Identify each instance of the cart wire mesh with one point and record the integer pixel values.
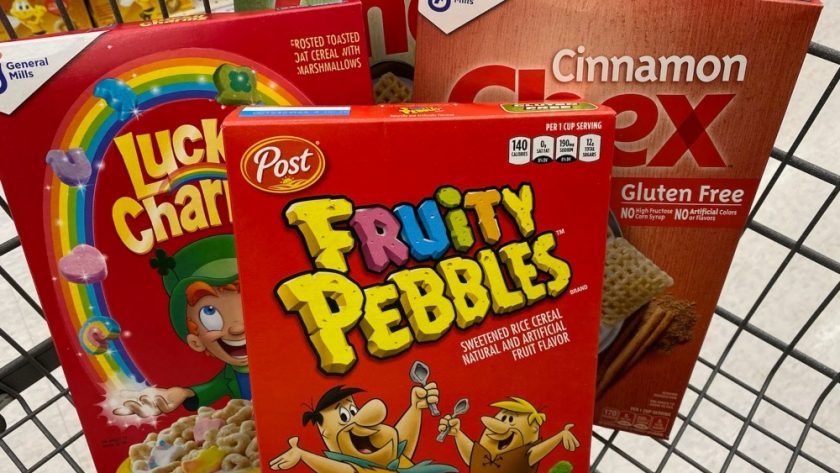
(40, 364)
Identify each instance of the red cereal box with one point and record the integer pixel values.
(391, 26)
(409, 272)
(118, 188)
(700, 89)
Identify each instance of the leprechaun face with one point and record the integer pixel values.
(220, 327)
(360, 432)
(507, 431)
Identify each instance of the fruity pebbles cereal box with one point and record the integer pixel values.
(409, 272)
(700, 89)
(117, 184)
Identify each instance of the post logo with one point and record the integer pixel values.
(283, 164)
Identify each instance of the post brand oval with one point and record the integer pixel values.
(283, 164)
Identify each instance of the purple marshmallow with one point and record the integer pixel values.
(72, 167)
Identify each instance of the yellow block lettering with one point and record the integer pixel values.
(123, 209)
(520, 207)
(213, 141)
(463, 285)
(157, 214)
(523, 274)
(183, 134)
(329, 305)
(504, 300)
(142, 189)
(314, 220)
(429, 312)
(548, 263)
(380, 325)
(193, 217)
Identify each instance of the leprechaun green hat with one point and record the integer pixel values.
(211, 260)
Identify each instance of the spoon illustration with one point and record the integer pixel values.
(461, 408)
(420, 374)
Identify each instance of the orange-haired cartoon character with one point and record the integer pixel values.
(205, 309)
(510, 442)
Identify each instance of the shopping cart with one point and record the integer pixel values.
(726, 437)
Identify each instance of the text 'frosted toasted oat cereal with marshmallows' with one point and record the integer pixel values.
(409, 272)
(700, 89)
(391, 26)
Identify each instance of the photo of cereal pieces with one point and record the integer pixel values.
(391, 89)
(222, 440)
(631, 280)
(663, 324)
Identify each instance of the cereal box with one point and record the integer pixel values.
(409, 272)
(103, 14)
(700, 90)
(390, 33)
(137, 10)
(118, 188)
(37, 17)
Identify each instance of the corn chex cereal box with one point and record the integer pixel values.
(118, 188)
(391, 26)
(700, 90)
(409, 272)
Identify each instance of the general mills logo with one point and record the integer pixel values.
(440, 6)
(3, 83)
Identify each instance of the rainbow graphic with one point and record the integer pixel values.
(92, 125)
(195, 173)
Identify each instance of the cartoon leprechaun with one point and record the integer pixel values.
(205, 310)
(511, 441)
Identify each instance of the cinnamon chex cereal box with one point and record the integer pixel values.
(700, 89)
(409, 272)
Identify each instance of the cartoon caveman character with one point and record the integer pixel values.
(510, 442)
(205, 310)
(357, 438)
(32, 16)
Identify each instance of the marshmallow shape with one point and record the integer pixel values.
(204, 425)
(72, 167)
(236, 85)
(83, 265)
(165, 454)
(118, 95)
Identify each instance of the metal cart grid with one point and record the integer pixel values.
(38, 366)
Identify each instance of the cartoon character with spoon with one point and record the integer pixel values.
(510, 442)
(357, 438)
